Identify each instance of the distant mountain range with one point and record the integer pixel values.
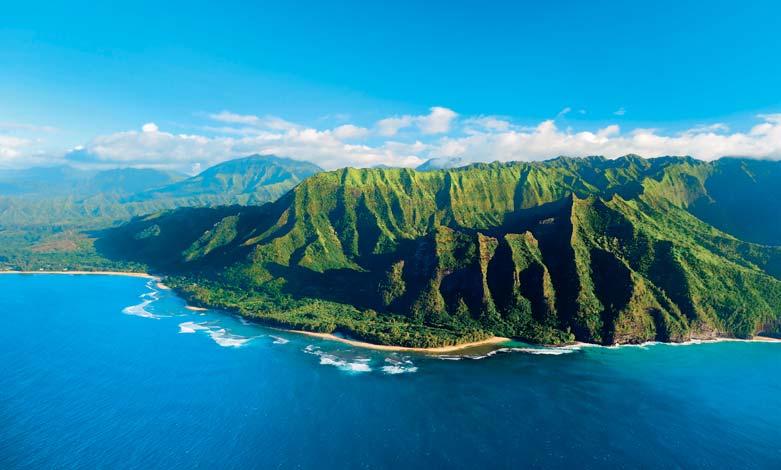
(250, 180)
(441, 163)
(595, 250)
(69, 196)
(50, 216)
(47, 182)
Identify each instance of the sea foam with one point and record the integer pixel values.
(396, 366)
(280, 340)
(356, 365)
(139, 310)
(218, 334)
(191, 327)
(541, 351)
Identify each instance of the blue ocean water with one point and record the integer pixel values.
(111, 372)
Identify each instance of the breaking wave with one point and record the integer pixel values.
(280, 340)
(541, 351)
(396, 366)
(352, 365)
(139, 310)
(218, 334)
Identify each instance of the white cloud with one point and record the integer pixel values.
(436, 134)
(233, 118)
(772, 118)
(349, 131)
(391, 126)
(438, 121)
(705, 128)
(620, 111)
(546, 141)
(19, 152)
(493, 123)
(22, 144)
(564, 112)
(181, 151)
(269, 122)
(11, 147)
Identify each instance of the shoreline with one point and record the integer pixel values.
(765, 339)
(691, 342)
(492, 341)
(88, 273)
(157, 279)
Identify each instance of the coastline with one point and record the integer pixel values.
(88, 273)
(691, 342)
(492, 341)
(765, 339)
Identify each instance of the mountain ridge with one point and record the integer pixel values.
(48, 215)
(595, 250)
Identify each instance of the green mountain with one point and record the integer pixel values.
(46, 214)
(48, 182)
(596, 250)
(741, 197)
(245, 181)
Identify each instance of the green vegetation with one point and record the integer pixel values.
(49, 217)
(605, 251)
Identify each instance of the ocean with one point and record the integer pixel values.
(113, 372)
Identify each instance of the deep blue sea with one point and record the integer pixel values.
(111, 372)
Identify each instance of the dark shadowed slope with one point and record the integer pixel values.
(606, 251)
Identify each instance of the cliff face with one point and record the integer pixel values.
(604, 251)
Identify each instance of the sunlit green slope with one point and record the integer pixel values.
(605, 251)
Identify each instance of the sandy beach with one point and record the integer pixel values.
(159, 284)
(87, 273)
(765, 339)
(495, 340)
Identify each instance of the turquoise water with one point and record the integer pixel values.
(102, 371)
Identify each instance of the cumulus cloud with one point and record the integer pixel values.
(11, 147)
(478, 139)
(21, 152)
(772, 118)
(327, 148)
(547, 140)
(349, 131)
(390, 126)
(22, 144)
(438, 134)
(438, 121)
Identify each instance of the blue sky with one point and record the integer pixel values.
(76, 74)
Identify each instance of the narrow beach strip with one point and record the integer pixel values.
(81, 273)
(492, 341)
